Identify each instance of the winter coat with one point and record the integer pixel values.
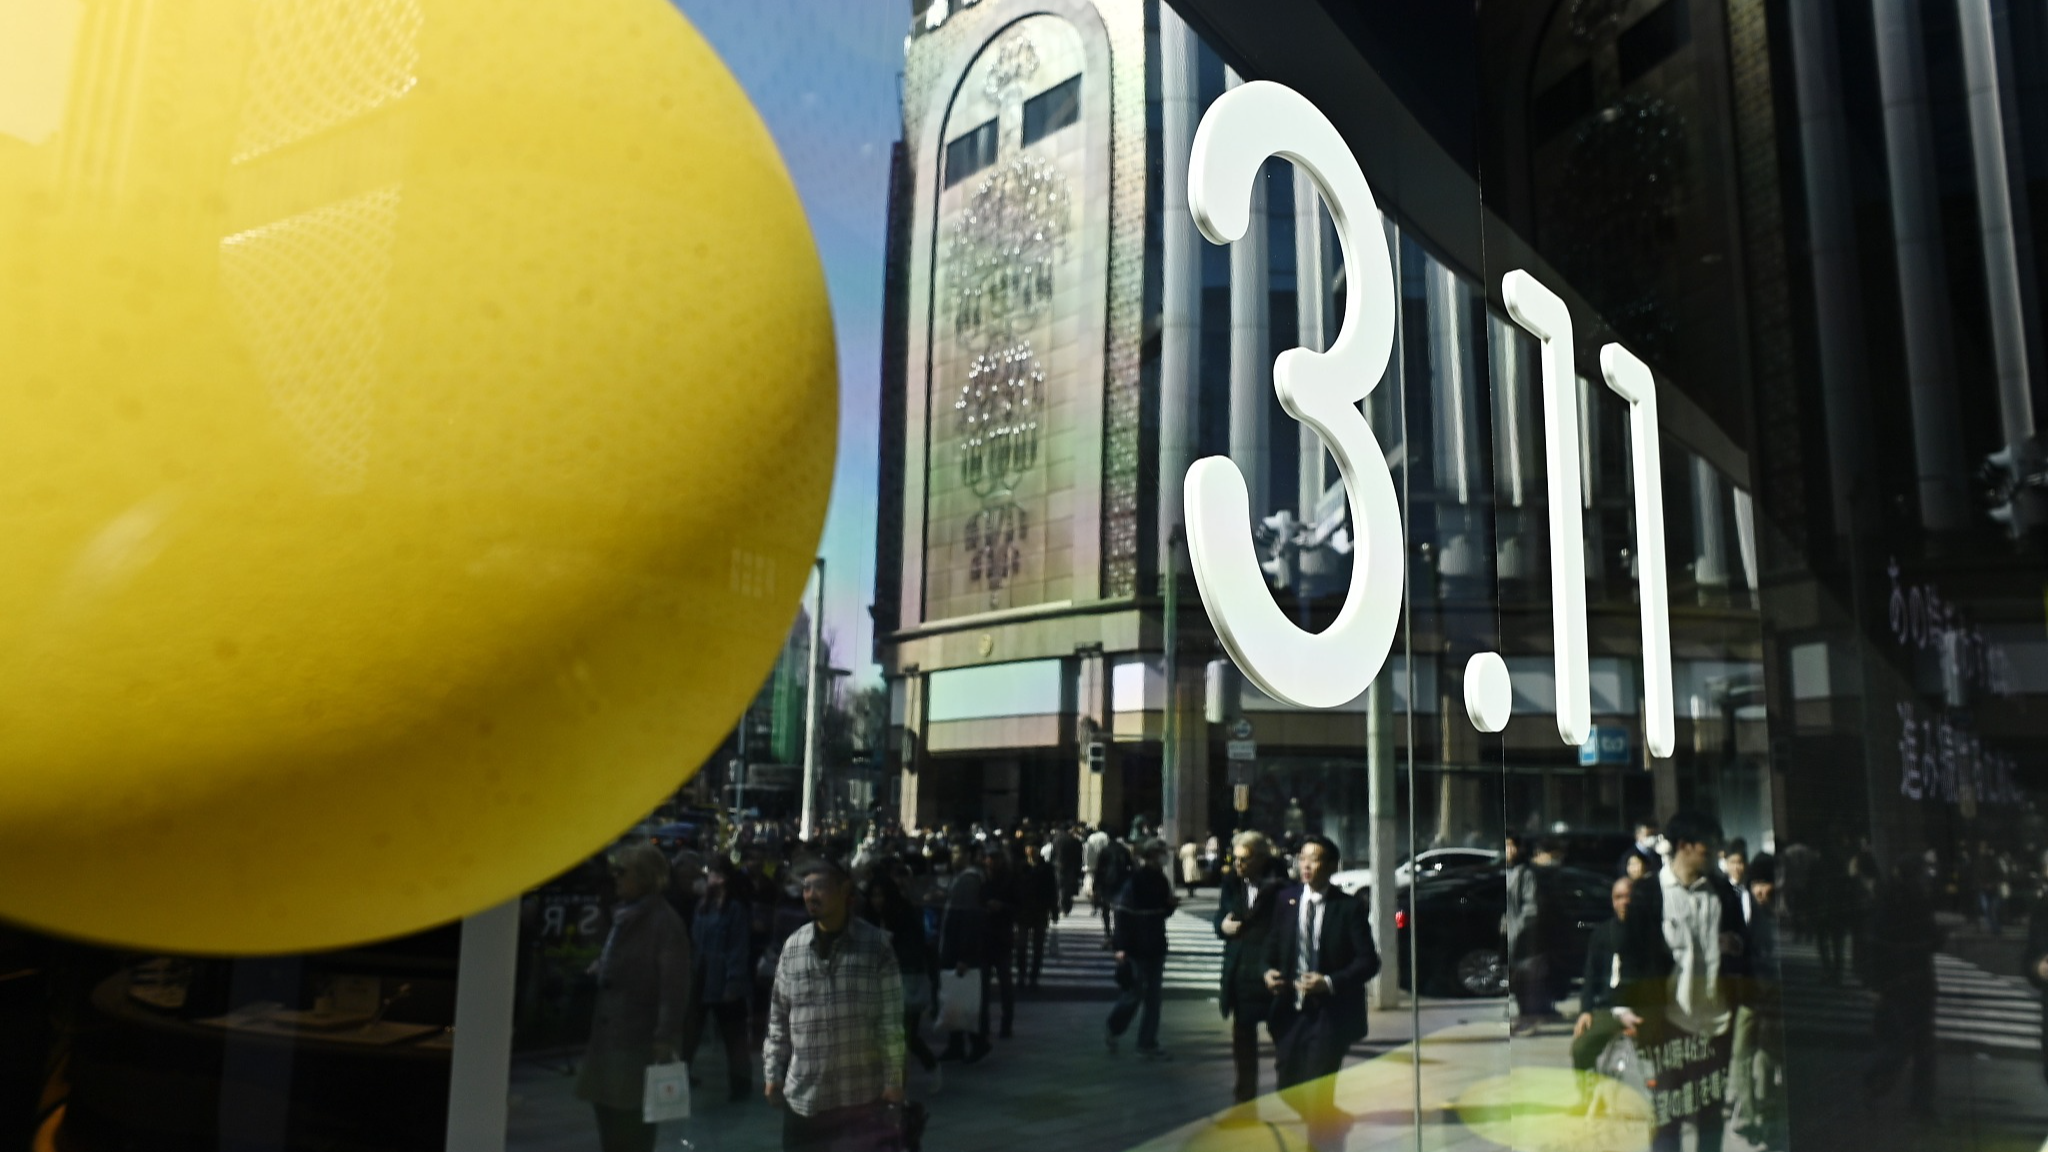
(721, 938)
(643, 992)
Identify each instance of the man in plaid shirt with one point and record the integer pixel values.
(835, 1025)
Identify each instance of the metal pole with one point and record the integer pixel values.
(1385, 852)
(812, 701)
(1180, 262)
(1311, 294)
(1923, 271)
(480, 1067)
(1250, 366)
(1169, 734)
(739, 764)
(1987, 91)
(1180, 319)
(1837, 292)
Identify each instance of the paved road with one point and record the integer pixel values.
(1077, 966)
(1974, 1008)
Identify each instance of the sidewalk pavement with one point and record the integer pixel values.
(1054, 1087)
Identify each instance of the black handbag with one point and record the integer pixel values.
(904, 1127)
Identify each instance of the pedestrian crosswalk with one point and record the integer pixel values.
(1076, 963)
(1972, 1007)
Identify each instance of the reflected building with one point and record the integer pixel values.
(1045, 388)
(1018, 570)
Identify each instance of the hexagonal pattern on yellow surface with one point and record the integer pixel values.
(416, 418)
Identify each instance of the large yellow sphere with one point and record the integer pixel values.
(416, 418)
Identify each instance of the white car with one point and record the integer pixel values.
(1433, 862)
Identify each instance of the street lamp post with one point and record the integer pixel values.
(811, 701)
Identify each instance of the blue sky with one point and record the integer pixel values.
(825, 76)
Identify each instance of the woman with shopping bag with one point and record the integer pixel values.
(963, 978)
(643, 993)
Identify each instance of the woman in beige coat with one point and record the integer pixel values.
(643, 993)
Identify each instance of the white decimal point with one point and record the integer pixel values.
(1489, 695)
(1242, 129)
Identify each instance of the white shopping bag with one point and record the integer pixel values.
(667, 1093)
(959, 1001)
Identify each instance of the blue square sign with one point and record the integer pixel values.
(1607, 745)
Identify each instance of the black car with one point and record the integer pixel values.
(1462, 949)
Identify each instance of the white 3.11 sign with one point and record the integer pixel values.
(1242, 130)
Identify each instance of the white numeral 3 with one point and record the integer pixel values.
(1242, 130)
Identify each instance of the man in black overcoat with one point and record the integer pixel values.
(1244, 919)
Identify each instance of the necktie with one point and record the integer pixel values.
(1306, 962)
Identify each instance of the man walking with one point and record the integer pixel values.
(1682, 958)
(1319, 956)
(1527, 926)
(1112, 870)
(1038, 895)
(1597, 1026)
(834, 1056)
(963, 947)
(1066, 859)
(1904, 938)
(999, 927)
(1244, 919)
(1758, 1106)
(1139, 937)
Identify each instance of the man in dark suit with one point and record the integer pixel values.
(1244, 919)
(1319, 956)
(1597, 1026)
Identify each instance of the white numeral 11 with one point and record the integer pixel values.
(1539, 310)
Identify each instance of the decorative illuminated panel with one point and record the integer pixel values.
(1009, 348)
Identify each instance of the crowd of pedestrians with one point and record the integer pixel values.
(822, 964)
(1678, 993)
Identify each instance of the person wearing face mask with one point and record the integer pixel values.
(719, 980)
(1319, 956)
(1642, 855)
(643, 994)
(1683, 959)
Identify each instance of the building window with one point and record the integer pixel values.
(1052, 110)
(970, 153)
